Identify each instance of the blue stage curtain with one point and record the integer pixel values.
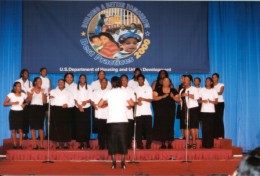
(10, 56)
(234, 46)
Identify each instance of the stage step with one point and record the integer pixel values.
(69, 155)
(177, 144)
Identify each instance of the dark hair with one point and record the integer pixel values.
(92, 37)
(43, 68)
(100, 72)
(190, 77)
(140, 75)
(137, 69)
(109, 36)
(61, 80)
(197, 79)
(103, 15)
(34, 80)
(22, 72)
(123, 75)
(215, 74)
(211, 81)
(115, 82)
(14, 85)
(158, 77)
(86, 85)
(68, 73)
(250, 165)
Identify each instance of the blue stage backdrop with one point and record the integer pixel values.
(115, 36)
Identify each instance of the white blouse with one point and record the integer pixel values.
(130, 92)
(36, 98)
(191, 103)
(46, 85)
(95, 85)
(144, 92)
(206, 94)
(218, 88)
(117, 105)
(72, 88)
(83, 94)
(25, 85)
(134, 84)
(61, 97)
(20, 99)
(100, 113)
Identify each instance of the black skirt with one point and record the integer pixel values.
(193, 118)
(60, 127)
(82, 125)
(36, 117)
(117, 138)
(16, 119)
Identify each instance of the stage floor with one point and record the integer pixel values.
(216, 167)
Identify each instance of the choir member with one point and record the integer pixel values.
(16, 99)
(117, 121)
(208, 98)
(101, 114)
(96, 85)
(179, 112)
(130, 113)
(219, 131)
(37, 98)
(46, 85)
(82, 118)
(197, 82)
(60, 100)
(158, 83)
(189, 96)
(164, 112)
(133, 83)
(144, 96)
(71, 87)
(26, 85)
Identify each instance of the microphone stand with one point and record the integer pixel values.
(133, 161)
(48, 126)
(187, 129)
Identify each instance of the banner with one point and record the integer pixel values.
(88, 36)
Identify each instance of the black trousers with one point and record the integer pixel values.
(102, 133)
(26, 120)
(219, 131)
(208, 130)
(143, 122)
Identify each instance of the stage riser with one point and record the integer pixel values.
(177, 144)
(65, 155)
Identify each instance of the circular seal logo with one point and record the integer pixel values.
(115, 33)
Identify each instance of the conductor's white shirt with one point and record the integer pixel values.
(117, 105)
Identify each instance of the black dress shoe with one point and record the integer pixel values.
(140, 147)
(113, 165)
(81, 147)
(170, 145)
(123, 165)
(58, 147)
(148, 146)
(20, 147)
(15, 147)
(163, 146)
(66, 147)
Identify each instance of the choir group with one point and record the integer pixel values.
(113, 107)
